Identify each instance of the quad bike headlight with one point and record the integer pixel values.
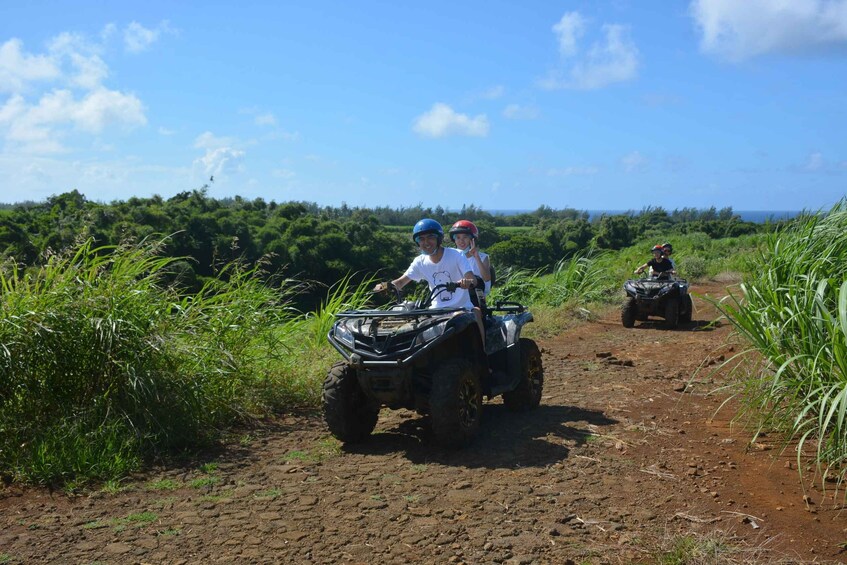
(343, 334)
(430, 334)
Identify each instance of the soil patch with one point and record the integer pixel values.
(625, 454)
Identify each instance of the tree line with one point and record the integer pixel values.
(323, 243)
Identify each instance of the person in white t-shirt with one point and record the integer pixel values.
(465, 235)
(438, 265)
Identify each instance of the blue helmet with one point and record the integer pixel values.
(426, 226)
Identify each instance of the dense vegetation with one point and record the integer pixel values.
(793, 312)
(137, 328)
(325, 244)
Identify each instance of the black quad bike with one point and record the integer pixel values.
(430, 360)
(664, 296)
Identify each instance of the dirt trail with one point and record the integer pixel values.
(622, 456)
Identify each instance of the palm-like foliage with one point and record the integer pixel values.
(793, 311)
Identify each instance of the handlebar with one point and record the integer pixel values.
(436, 291)
(509, 306)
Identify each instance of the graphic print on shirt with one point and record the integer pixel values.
(442, 277)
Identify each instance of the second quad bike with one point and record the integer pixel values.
(431, 360)
(663, 296)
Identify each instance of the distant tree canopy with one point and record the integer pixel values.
(324, 243)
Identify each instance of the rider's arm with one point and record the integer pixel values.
(398, 284)
(484, 267)
(640, 269)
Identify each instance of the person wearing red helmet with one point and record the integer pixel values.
(465, 234)
(437, 264)
(658, 264)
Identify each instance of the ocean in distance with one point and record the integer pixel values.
(756, 216)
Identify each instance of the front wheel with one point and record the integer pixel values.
(455, 403)
(527, 395)
(686, 310)
(350, 415)
(672, 312)
(629, 311)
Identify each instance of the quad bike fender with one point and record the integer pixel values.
(510, 375)
(460, 321)
(514, 325)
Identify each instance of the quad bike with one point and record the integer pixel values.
(661, 295)
(430, 360)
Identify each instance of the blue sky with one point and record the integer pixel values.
(593, 105)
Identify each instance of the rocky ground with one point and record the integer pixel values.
(625, 457)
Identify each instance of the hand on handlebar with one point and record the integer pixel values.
(382, 287)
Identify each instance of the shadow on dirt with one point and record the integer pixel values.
(241, 448)
(692, 326)
(537, 438)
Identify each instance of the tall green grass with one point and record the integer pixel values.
(793, 311)
(578, 280)
(343, 295)
(102, 363)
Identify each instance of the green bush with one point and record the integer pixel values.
(692, 267)
(101, 363)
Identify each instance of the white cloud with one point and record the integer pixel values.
(221, 157)
(37, 127)
(265, 120)
(612, 59)
(220, 161)
(208, 140)
(138, 38)
(518, 112)
(89, 70)
(634, 162)
(741, 30)
(165, 131)
(103, 107)
(569, 30)
(18, 69)
(442, 121)
(59, 91)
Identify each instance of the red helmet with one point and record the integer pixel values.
(464, 226)
(657, 248)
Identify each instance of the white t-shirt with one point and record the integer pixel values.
(478, 272)
(451, 268)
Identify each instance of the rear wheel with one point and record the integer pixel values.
(672, 312)
(686, 310)
(629, 311)
(350, 415)
(527, 395)
(455, 403)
